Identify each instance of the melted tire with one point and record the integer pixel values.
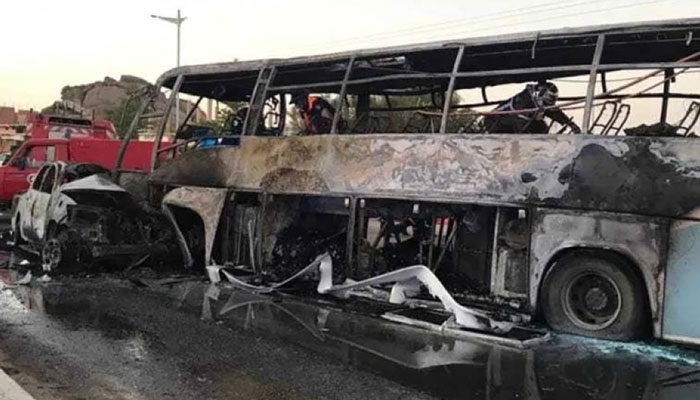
(61, 243)
(628, 315)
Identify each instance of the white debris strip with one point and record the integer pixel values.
(407, 283)
(10, 390)
(26, 280)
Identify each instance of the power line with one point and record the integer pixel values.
(585, 81)
(529, 10)
(448, 24)
(636, 4)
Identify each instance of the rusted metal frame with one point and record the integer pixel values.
(350, 235)
(189, 115)
(585, 125)
(440, 75)
(564, 98)
(668, 74)
(481, 74)
(176, 146)
(251, 244)
(361, 233)
(253, 98)
(603, 82)
(431, 249)
(238, 241)
(259, 229)
(496, 286)
(257, 100)
(389, 225)
(408, 108)
(164, 120)
(341, 96)
(227, 213)
(613, 114)
(582, 68)
(534, 46)
(450, 90)
(387, 99)
(449, 240)
(146, 100)
(614, 125)
(496, 40)
(441, 232)
(409, 91)
(219, 80)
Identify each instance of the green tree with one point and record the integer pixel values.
(223, 116)
(122, 115)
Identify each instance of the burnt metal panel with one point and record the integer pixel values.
(208, 203)
(680, 322)
(651, 176)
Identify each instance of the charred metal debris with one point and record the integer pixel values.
(401, 252)
(73, 217)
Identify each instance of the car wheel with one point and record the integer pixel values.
(594, 296)
(55, 253)
(52, 255)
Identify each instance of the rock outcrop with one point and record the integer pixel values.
(103, 96)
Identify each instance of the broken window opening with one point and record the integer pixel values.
(49, 180)
(455, 241)
(241, 222)
(474, 250)
(274, 236)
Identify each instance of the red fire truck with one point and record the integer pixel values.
(70, 139)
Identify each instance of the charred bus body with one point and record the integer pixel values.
(593, 232)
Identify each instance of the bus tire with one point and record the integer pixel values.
(595, 296)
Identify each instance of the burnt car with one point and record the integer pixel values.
(73, 214)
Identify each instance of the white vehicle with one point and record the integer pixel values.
(74, 213)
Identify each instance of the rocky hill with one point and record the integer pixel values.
(103, 96)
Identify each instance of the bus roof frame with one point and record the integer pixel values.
(167, 78)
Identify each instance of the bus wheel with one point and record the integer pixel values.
(593, 296)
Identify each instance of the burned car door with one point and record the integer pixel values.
(41, 200)
(23, 214)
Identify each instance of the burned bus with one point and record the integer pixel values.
(588, 222)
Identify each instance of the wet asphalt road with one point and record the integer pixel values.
(105, 337)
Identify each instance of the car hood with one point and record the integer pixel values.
(92, 182)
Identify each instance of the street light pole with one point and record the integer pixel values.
(177, 21)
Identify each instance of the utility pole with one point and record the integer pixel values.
(177, 21)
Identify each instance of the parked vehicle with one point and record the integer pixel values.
(46, 126)
(33, 153)
(597, 232)
(73, 214)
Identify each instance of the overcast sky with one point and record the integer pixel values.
(47, 44)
